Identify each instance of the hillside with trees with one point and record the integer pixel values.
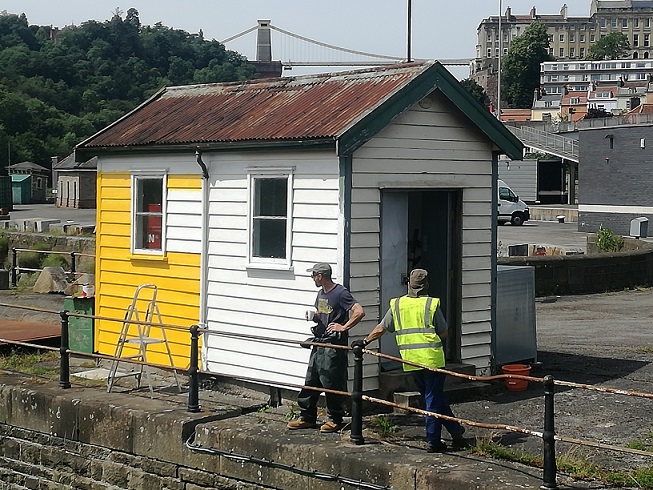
(59, 86)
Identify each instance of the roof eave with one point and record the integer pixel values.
(83, 154)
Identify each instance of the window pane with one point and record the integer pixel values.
(148, 191)
(271, 197)
(269, 238)
(149, 213)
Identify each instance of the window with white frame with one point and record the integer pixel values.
(270, 218)
(148, 213)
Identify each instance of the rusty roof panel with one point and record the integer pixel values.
(296, 108)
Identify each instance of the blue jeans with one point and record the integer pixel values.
(431, 387)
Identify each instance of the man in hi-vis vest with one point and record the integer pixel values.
(419, 326)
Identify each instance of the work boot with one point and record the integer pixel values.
(461, 442)
(436, 447)
(301, 424)
(332, 426)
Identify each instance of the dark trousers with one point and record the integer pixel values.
(431, 387)
(327, 368)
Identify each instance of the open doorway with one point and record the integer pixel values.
(421, 229)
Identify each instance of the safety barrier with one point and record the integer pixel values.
(16, 269)
(548, 435)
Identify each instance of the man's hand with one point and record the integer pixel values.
(336, 327)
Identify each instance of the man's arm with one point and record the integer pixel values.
(376, 333)
(356, 314)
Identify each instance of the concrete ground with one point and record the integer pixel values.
(50, 211)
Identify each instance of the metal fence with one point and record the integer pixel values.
(16, 269)
(193, 371)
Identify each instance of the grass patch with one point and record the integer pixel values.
(30, 362)
(579, 468)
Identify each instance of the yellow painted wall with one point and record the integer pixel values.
(118, 273)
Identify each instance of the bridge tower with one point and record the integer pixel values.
(265, 67)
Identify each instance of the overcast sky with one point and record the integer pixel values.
(377, 26)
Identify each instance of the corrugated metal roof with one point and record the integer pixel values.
(290, 109)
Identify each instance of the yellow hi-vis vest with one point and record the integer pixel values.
(415, 332)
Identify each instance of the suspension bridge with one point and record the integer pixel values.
(295, 50)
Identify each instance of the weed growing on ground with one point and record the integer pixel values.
(578, 467)
(383, 425)
(293, 413)
(608, 241)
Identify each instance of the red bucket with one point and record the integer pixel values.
(518, 369)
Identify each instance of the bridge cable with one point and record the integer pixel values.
(331, 46)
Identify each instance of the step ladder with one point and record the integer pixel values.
(138, 336)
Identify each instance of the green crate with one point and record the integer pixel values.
(80, 330)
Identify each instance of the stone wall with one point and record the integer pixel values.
(584, 274)
(89, 439)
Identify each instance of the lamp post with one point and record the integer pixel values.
(499, 66)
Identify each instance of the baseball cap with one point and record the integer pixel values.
(320, 268)
(418, 282)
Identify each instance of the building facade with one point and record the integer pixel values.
(570, 38)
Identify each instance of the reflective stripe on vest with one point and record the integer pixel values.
(416, 337)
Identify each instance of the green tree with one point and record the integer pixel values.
(476, 91)
(59, 87)
(520, 74)
(613, 46)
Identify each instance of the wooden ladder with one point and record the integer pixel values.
(141, 339)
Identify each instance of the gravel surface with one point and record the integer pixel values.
(602, 339)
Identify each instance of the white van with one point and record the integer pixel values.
(511, 208)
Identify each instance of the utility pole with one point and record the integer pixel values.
(410, 14)
(499, 65)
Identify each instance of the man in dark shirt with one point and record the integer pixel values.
(327, 367)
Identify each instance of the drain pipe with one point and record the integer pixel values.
(204, 257)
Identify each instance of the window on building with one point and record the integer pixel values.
(603, 23)
(148, 213)
(592, 38)
(582, 52)
(562, 38)
(646, 54)
(574, 101)
(647, 40)
(550, 38)
(562, 52)
(505, 51)
(624, 23)
(582, 27)
(572, 37)
(39, 183)
(572, 52)
(635, 40)
(489, 52)
(636, 22)
(647, 22)
(581, 38)
(496, 52)
(270, 217)
(613, 22)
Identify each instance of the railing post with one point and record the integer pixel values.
(64, 363)
(72, 265)
(548, 436)
(14, 266)
(193, 371)
(357, 397)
